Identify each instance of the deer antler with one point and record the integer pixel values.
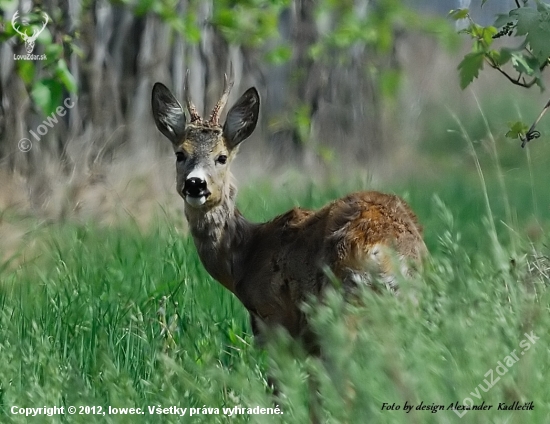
(36, 33)
(24, 35)
(227, 86)
(190, 106)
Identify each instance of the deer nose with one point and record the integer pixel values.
(195, 187)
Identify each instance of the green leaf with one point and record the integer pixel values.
(65, 76)
(488, 33)
(539, 41)
(26, 70)
(279, 55)
(390, 80)
(523, 64)
(142, 7)
(458, 14)
(517, 129)
(527, 18)
(53, 53)
(535, 25)
(45, 37)
(47, 95)
(502, 56)
(316, 50)
(484, 36)
(477, 30)
(469, 68)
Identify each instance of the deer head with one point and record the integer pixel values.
(204, 149)
(29, 40)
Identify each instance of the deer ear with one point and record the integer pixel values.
(242, 118)
(168, 113)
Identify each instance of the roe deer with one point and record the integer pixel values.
(273, 267)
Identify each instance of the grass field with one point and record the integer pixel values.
(127, 317)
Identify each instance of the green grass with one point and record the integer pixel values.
(82, 319)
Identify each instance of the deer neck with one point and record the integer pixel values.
(221, 236)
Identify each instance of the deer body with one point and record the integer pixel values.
(274, 267)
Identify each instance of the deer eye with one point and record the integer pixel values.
(180, 156)
(222, 159)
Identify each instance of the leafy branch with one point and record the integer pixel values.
(530, 28)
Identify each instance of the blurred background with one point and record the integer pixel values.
(361, 90)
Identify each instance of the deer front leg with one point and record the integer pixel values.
(259, 331)
(260, 342)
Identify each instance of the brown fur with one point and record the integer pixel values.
(275, 266)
